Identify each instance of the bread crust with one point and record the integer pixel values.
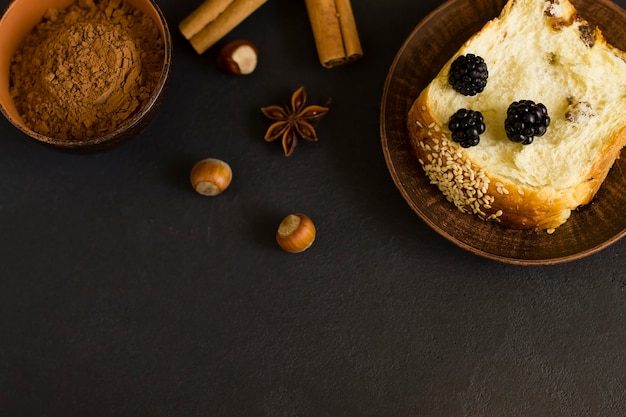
(474, 189)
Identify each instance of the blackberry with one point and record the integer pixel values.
(466, 127)
(468, 74)
(526, 119)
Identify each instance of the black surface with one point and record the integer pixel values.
(124, 293)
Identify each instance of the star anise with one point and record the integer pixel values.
(291, 123)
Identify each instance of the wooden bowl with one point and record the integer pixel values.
(420, 58)
(18, 21)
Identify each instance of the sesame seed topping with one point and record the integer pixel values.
(462, 183)
(501, 189)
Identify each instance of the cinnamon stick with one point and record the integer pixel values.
(335, 32)
(204, 14)
(213, 19)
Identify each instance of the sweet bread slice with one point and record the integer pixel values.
(537, 52)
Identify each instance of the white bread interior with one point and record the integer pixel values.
(539, 50)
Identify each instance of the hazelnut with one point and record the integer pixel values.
(295, 233)
(210, 176)
(238, 57)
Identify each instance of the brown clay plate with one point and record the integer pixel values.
(420, 58)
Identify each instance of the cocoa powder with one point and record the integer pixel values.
(86, 69)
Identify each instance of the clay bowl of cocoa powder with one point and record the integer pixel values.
(83, 75)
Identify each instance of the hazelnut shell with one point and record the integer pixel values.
(238, 57)
(210, 176)
(296, 233)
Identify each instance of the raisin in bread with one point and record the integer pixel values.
(543, 51)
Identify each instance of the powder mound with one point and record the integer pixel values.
(84, 70)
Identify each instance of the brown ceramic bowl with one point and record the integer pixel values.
(421, 57)
(17, 22)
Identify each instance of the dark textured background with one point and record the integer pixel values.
(124, 293)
